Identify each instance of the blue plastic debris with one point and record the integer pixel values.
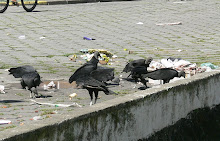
(84, 50)
(209, 65)
(87, 38)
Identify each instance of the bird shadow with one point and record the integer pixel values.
(44, 96)
(10, 101)
(143, 88)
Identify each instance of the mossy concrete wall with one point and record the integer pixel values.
(131, 117)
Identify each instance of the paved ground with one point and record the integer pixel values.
(54, 33)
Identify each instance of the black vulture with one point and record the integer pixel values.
(20, 71)
(137, 67)
(30, 80)
(136, 63)
(165, 74)
(93, 78)
(137, 73)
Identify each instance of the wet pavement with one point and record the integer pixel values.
(47, 37)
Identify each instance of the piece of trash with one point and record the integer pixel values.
(42, 38)
(54, 112)
(103, 51)
(114, 56)
(36, 111)
(73, 58)
(57, 105)
(87, 38)
(130, 52)
(21, 123)
(71, 96)
(2, 88)
(155, 82)
(5, 122)
(103, 62)
(51, 85)
(125, 49)
(166, 63)
(179, 50)
(139, 23)
(84, 50)
(87, 56)
(212, 66)
(175, 23)
(36, 118)
(22, 37)
(106, 55)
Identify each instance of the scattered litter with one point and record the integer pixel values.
(103, 62)
(155, 82)
(125, 49)
(139, 23)
(114, 56)
(179, 50)
(57, 105)
(72, 95)
(22, 37)
(179, 64)
(155, 65)
(87, 38)
(51, 85)
(73, 58)
(36, 118)
(21, 123)
(175, 23)
(106, 55)
(2, 88)
(5, 122)
(54, 112)
(87, 56)
(130, 52)
(84, 50)
(42, 38)
(103, 51)
(212, 66)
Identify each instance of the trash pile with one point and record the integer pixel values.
(180, 64)
(107, 56)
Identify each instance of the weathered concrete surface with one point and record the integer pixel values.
(131, 117)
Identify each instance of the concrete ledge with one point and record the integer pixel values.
(131, 117)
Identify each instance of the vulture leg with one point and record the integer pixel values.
(96, 96)
(91, 96)
(143, 81)
(35, 92)
(31, 94)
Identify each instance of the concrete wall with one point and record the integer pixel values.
(131, 117)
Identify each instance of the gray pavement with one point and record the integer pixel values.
(55, 32)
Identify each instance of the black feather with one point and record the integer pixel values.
(31, 80)
(20, 71)
(165, 74)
